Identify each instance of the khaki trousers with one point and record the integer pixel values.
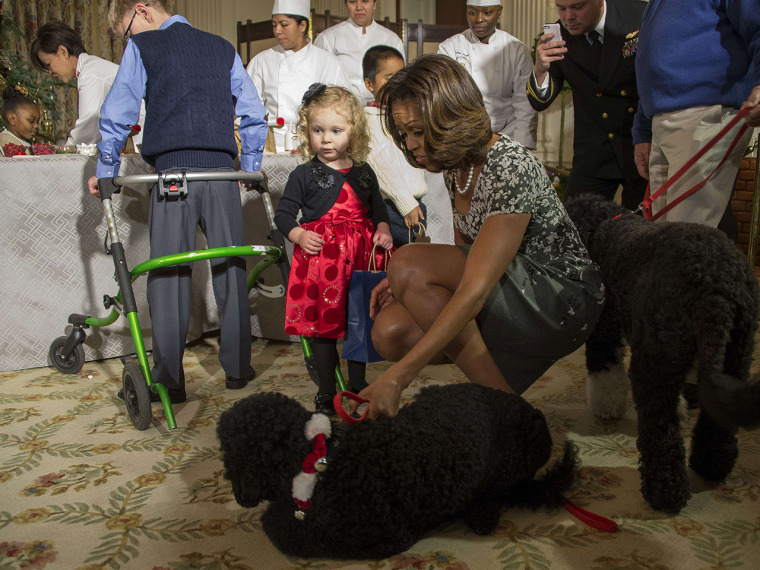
(676, 137)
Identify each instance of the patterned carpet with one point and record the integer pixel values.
(81, 488)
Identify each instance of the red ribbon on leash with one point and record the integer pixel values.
(646, 205)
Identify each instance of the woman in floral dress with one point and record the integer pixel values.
(518, 291)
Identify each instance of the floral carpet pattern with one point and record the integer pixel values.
(80, 488)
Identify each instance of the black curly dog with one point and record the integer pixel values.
(681, 295)
(458, 450)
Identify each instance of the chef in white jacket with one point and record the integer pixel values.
(350, 39)
(500, 64)
(283, 73)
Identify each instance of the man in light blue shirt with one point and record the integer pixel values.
(194, 84)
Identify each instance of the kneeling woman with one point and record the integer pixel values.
(518, 291)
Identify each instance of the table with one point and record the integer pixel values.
(53, 263)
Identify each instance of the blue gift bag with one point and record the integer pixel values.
(357, 342)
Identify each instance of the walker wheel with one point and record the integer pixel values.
(70, 365)
(136, 395)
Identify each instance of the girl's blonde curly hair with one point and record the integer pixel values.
(345, 103)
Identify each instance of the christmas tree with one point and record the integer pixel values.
(18, 70)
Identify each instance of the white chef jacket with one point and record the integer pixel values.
(349, 44)
(282, 77)
(399, 181)
(94, 78)
(501, 69)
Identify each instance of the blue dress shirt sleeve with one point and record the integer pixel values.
(120, 110)
(253, 128)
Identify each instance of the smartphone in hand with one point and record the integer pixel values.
(553, 29)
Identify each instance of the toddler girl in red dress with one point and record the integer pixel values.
(342, 216)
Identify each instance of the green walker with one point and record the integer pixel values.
(67, 353)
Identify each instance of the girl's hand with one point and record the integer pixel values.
(413, 218)
(310, 242)
(380, 297)
(383, 236)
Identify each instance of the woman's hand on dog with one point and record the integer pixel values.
(384, 394)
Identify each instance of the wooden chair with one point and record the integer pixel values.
(251, 32)
(422, 33)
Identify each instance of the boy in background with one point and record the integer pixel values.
(193, 84)
(401, 185)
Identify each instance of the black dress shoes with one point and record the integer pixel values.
(240, 383)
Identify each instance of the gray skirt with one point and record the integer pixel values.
(535, 316)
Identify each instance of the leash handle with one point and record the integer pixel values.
(648, 200)
(344, 415)
(592, 519)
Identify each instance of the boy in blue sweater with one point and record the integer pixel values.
(698, 63)
(194, 84)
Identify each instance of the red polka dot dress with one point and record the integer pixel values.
(318, 285)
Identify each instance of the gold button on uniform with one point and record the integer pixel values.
(631, 110)
(611, 135)
(598, 94)
(604, 115)
(623, 93)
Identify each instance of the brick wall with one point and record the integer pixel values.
(742, 203)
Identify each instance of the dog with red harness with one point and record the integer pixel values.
(680, 295)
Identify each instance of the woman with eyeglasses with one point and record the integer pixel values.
(59, 51)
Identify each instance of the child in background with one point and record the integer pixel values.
(21, 116)
(343, 215)
(401, 185)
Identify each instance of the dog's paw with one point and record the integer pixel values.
(607, 392)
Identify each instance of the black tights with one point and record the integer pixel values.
(325, 353)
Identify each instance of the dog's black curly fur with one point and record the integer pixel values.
(458, 450)
(681, 295)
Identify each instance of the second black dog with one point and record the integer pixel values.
(682, 295)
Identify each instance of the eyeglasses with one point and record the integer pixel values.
(126, 32)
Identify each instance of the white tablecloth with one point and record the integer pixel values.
(53, 262)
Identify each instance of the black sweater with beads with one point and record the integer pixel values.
(314, 187)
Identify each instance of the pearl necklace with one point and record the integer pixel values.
(466, 186)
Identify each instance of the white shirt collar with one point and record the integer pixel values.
(357, 26)
(80, 62)
(600, 26)
(303, 51)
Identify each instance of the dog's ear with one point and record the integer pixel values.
(263, 446)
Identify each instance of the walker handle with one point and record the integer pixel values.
(251, 177)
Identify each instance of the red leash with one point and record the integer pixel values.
(592, 519)
(344, 415)
(646, 205)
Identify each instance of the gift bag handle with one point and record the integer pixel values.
(373, 264)
(421, 235)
